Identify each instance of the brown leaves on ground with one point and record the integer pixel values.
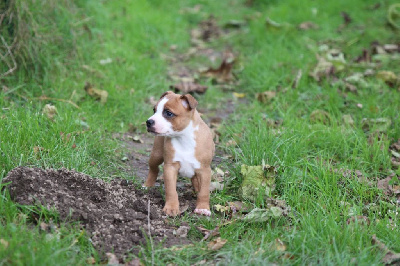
(308, 25)
(266, 96)
(185, 87)
(216, 244)
(224, 72)
(208, 29)
(390, 185)
(346, 21)
(99, 95)
(208, 234)
(390, 257)
(328, 64)
(50, 111)
(394, 150)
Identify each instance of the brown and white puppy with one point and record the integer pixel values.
(185, 144)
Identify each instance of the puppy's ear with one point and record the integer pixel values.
(165, 93)
(188, 101)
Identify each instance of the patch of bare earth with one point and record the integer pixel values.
(115, 214)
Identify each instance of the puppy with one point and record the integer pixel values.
(184, 143)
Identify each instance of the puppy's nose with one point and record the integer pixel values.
(150, 123)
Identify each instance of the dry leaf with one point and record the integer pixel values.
(188, 87)
(279, 245)
(216, 244)
(3, 243)
(388, 77)
(275, 25)
(216, 186)
(221, 208)
(50, 111)
(134, 262)
(90, 260)
(348, 120)
(208, 233)
(390, 257)
(112, 259)
(224, 72)
(100, 95)
(239, 95)
(265, 96)
(362, 220)
(105, 61)
(208, 29)
(235, 24)
(308, 25)
(182, 231)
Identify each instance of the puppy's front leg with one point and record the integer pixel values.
(203, 177)
(156, 158)
(171, 207)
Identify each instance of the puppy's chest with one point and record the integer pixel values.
(185, 155)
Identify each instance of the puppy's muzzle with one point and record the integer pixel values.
(150, 125)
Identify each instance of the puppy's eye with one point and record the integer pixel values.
(168, 114)
(154, 110)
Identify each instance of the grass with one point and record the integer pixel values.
(134, 34)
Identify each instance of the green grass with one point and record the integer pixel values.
(134, 34)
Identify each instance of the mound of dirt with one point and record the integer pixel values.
(115, 214)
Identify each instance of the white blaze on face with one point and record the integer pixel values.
(184, 145)
(161, 125)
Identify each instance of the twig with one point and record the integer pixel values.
(44, 98)
(12, 69)
(149, 226)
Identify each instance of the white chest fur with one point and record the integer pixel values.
(184, 145)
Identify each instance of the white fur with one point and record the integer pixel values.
(184, 144)
(162, 126)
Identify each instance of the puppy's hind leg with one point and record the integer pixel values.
(156, 158)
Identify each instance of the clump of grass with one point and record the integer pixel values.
(34, 33)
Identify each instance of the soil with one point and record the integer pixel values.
(115, 214)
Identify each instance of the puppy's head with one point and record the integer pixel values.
(172, 114)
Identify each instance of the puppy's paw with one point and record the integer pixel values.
(171, 210)
(203, 212)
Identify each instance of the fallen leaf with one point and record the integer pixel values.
(395, 151)
(346, 19)
(239, 95)
(328, 64)
(218, 174)
(279, 245)
(362, 220)
(182, 231)
(50, 111)
(97, 94)
(188, 87)
(388, 185)
(112, 259)
(90, 260)
(357, 79)
(265, 96)
(124, 159)
(388, 77)
(275, 25)
(257, 181)
(105, 61)
(136, 138)
(216, 186)
(320, 116)
(390, 257)
(348, 120)
(262, 215)
(3, 243)
(216, 244)
(376, 124)
(134, 262)
(221, 208)
(308, 25)
(297, 79)
(207, 30)
(208, 233)
(235, 24)
(359, 105)
(224, 72)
